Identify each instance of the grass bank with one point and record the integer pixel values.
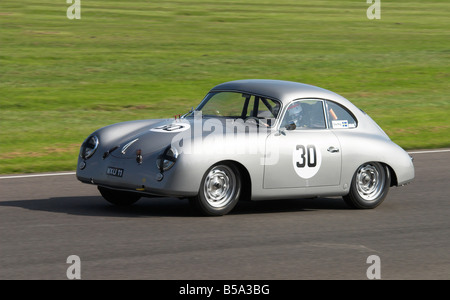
(125, 60)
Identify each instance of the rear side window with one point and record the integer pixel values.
(339, 117)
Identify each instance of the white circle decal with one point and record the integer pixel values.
(306, 160)
(174, 127)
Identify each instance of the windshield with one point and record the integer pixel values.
(239, 105)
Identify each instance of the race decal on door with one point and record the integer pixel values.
(306, 160)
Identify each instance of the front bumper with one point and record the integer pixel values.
(144, 178)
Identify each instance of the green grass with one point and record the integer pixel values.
(61, 79)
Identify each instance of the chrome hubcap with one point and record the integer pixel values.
(370, 181)
(220, 186)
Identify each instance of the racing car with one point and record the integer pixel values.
(253, 139)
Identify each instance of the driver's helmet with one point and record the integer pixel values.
(294, 114)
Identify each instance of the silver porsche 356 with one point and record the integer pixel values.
(248, 140)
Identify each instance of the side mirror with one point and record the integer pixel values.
(291, 126)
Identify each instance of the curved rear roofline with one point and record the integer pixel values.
(285, 91)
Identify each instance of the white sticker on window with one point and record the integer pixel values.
(340, 123)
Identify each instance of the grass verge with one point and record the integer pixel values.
(127, 60)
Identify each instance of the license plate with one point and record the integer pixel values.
(114, 172)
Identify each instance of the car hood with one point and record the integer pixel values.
(147, 136)
(156, 135)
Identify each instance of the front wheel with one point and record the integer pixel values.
(369, 187)
(119, 198)
(219, 191)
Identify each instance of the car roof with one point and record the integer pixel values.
(285, 91)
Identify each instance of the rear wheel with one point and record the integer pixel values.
(119, 198)
(369, 187)
(219, 191)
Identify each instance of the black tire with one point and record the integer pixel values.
(369, 187)
(219, 191)
(119, 198)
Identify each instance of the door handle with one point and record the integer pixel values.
(333, 149)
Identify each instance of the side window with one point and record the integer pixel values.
(224, 104)
(305, 114)
(339, 117)
(267, 108)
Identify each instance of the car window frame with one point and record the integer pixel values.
(344, 108)
(261, 98)
(280, 120)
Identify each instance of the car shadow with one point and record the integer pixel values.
(289, 205)
(165, 207)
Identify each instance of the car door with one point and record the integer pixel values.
(306, 153)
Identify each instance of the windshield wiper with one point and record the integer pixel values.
(188, 113)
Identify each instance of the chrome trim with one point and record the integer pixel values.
(92, 151)
(124, 148)
(333, 149)
(165, 157)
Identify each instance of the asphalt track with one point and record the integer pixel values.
(43, 220)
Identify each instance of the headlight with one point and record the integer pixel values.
(89, 146)
(167, 159)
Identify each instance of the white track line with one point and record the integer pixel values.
(37, 175)
(73, 173)
(430, 151)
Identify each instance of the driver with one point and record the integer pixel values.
(294, 114)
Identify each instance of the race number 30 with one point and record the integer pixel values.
(306, 160)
